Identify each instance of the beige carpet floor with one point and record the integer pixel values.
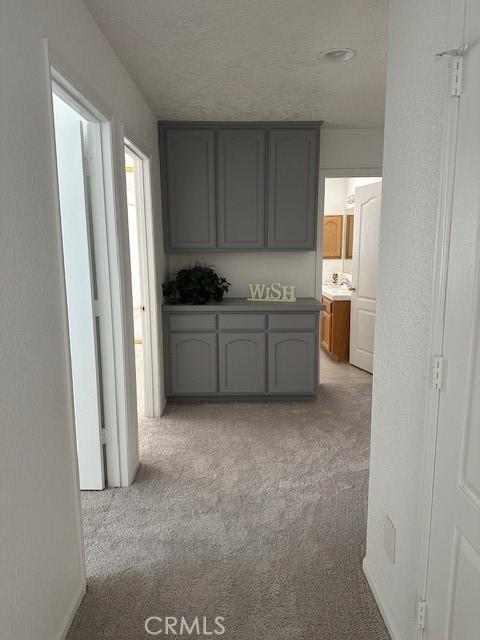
(254, 511)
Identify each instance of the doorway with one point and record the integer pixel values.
(350, 223)
(75, 134)
(91, 259)
(140, 230)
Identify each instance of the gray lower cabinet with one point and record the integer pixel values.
(242, 363)
(291, 363)
(238, 348)
(241, 188)
(193, 364)
(292, 188)
(189, 185)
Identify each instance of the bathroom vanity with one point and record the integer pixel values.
(241, 348)
(335, 324)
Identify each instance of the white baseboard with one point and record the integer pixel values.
(381, 605)
(71, 611)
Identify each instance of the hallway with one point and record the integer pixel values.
(251, 511)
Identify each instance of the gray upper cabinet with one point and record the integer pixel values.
(291, 363)
(241, 188)
(190, 188)
(292, 188)
(242, 363)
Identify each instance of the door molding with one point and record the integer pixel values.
(439, 289)
(152, 381)
(66, 345)
(121, 454)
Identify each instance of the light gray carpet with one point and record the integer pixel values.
(251, 511)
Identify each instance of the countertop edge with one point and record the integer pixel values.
(240, 304)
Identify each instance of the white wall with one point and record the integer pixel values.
(336, 191)
(416, 98)
(41, 558)
(344, 149)
(353, 183)
(240, 268)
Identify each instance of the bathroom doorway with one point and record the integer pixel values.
(348, 274)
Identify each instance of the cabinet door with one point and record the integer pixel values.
(292, 188)
(326, 331)
(332, 236)
(190, 188)
(291, 363)
(193, 363)
(241, 188)
(242, 363)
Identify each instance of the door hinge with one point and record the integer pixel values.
(437, 372)
(455, 68)
(96, 308)
(421, 614)
(103, 436)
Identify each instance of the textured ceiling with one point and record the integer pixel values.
(252, 59)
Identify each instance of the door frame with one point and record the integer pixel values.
(439, 291)
(144, 213)
(366, 172)
(119, 397)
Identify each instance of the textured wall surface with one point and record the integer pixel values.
(40, 555)
(250, 60)
(416, 99)
(350, 149)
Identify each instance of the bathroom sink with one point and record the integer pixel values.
(336, 291)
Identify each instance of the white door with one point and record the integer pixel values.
(79, 280)
(453, 586)
(364, 274)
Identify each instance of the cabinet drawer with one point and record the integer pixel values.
(328, 304)
(192, 322)
(241, 321)
(292, 321)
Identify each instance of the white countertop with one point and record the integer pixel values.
(336, 292)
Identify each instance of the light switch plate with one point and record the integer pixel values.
(389, 539)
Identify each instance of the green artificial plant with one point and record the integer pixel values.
(195, 285)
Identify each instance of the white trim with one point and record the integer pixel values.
(153, 407)
(439, 285)
(125, 365)
(71, 611)
(66, 338)
(119, 471)
(366, 172)
(387, 617)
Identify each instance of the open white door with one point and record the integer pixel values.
(79, 280)
(453, 584)
(364, 274)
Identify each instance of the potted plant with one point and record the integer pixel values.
(195, 285)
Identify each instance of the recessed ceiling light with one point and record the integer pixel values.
(341, 54)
